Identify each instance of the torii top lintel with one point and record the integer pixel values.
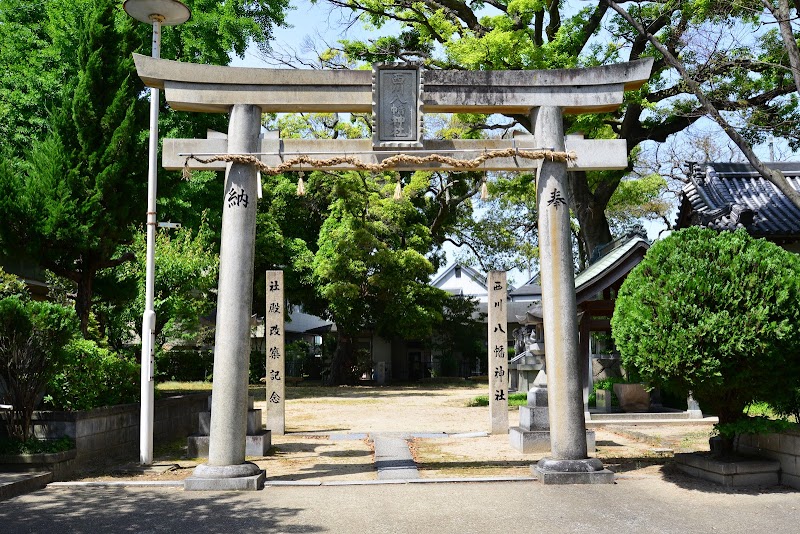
(215, 89)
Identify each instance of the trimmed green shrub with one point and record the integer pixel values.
(91, 376)
(716, 314)
(32, 337)
(184, 365)
(12, 286)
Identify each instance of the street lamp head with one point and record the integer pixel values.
(167, 12)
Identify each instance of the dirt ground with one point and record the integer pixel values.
(316, 419)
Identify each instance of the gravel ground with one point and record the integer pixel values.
(314, 415)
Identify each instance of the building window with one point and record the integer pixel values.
(458, 272)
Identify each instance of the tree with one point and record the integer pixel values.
(715, 314)
(186, 277)
(353, 253)
(780, 9)
(371, 269)
(459, 333)
(73, 203)
(32, 338)
(748, 76)
(73, 181)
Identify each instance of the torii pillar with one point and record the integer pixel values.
(569, 462)
(226, 468)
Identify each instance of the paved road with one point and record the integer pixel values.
(643, 505)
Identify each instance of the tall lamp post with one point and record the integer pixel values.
(158, 13)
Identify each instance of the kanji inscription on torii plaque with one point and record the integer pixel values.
(397, 106)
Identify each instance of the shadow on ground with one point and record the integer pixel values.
(120, 510)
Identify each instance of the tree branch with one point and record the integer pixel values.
(776, 177)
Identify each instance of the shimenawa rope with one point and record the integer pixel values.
(388, 163)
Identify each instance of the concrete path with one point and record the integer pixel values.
(393, 458)
(631, 506)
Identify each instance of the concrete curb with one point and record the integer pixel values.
(296, 483)
(15, 484)
(120, 483)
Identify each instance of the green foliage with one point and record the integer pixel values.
(788, 405)
(32, 337)
(258, 367)
(608, 385)
(638, 199)
(184, 365)
(35, 446)
(185, 278)
(752, 425)
(514, 399)
(73, 132)
(72, 200)
(89, 376)
(458, 333)
(715, 314)
(730, 49)
(12, 286)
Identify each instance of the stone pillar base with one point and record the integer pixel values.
(586, 471)
(242, 477)
(532, 441)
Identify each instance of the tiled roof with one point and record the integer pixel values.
(617, 260)
(726, 196)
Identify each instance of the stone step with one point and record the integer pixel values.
(741, 473)
(254, 423)
(636, 416)
(255, 445)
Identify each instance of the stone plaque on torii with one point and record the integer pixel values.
(246, 93)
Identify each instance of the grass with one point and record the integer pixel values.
(173, 387)
(515, 399)
(761, 409)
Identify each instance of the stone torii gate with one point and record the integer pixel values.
(397, 96)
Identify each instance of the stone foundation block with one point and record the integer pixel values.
(255, 445)
(579, 471)
(250, 402)
(603, 397)
(254, 423)
(746, 472)
(247, 483)
(557, 477)
(534, 417)
(532, 441)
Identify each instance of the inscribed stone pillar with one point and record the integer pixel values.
(235, 295)
(498, 358)
(274, 336)
(565, 399)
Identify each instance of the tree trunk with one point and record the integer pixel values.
(83, 300)
(590, 211)
(781, 13)
(341, 369)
